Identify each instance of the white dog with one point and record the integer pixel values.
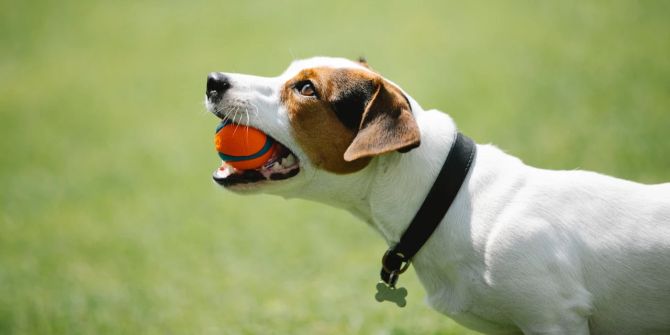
(520, 250)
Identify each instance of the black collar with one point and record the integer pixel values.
(396, 259)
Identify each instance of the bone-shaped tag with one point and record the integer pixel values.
(392, 294)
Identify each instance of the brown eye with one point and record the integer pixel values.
(306, 88)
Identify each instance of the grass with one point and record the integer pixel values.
(109, 223)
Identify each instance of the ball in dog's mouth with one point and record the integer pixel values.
(282, 165)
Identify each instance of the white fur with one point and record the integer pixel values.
(521, 250)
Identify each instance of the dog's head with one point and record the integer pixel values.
(330, 115)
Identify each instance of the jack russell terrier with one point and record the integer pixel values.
(517, 250)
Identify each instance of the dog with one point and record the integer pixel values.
(520, 249)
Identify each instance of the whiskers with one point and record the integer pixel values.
(239, 112)
(232, 111)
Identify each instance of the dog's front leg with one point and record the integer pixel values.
(552, 309)
(572, 325)
(538, 278)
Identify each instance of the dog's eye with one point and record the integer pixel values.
(306, 88)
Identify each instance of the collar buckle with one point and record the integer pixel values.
(394, 261)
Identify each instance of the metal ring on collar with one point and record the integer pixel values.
(403, 267)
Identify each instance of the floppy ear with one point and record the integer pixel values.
(363, 61)
(387, 125)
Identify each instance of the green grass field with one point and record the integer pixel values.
(109, 221)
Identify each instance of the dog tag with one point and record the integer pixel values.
(392, 294)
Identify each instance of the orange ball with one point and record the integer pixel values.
(242, 147)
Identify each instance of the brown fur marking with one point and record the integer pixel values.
(351, 106)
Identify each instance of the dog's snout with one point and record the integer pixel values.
(217, 85)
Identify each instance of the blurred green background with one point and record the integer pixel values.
(110, 224)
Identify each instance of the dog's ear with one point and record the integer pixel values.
(387, 125)
(363, 61)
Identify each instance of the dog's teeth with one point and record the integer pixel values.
(224, 171)
(276, 166)
(284, 162)
(288, 161)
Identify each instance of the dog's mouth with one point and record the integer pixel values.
(281, 166)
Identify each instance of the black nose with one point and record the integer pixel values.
(217, 84)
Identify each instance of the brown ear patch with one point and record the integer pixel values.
(351, 96)
(316, 127)
(354, 116)
(387, 125)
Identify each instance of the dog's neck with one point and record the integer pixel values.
(383, 194)
(402, 181)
